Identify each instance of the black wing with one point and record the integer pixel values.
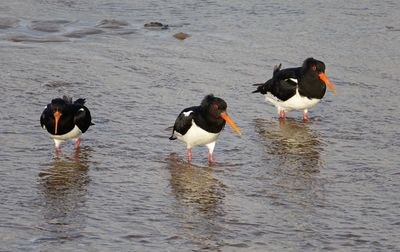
(288, 73)
(44, 118)
(82, 118)
(80, 101)
(282, 85)
(184, 121)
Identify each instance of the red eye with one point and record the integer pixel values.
(215, 106)
(314, 68)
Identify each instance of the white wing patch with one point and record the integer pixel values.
(187, 113)
(81, 109)
(294, 80)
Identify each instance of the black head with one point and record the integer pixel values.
(213, 106)
(56, 109)
(57, 104)
(312, 65)
(214, 109)
(316, 69)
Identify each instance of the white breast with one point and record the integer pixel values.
(296, 102)
(197, 136)
(74, 133)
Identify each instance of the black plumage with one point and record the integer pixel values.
(70, 114)
(206, 116)
(309, 81)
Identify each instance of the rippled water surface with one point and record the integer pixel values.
(329, 184)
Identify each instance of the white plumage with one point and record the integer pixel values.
(296, 102)
(197, 136)
(74, 134)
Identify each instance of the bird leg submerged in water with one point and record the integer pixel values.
(77, 143)
(282, 114)
(211, 147)
(189, 155)
(305, 115)
(211, 159)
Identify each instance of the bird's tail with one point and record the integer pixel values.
(260, 88)
(67, 99)
(263, 88)
(277, 68)
(172, 137)
(80, 101)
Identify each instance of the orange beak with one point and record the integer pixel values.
(228, 120)
(323, 77)
(57, 116)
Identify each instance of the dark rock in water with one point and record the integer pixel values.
(123, 32)
(181, 35)
(6, 22)
(392, 28)
(48, 25)
(26, 38)
(83, 32)
(156, 26)
(112, 24)
(58, 84)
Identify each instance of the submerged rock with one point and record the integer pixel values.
(181, 35)
(155, 26)
(392, 28)
(112, 24)
(48, 25)
(83, 32)
(26, 38)
(8, 22)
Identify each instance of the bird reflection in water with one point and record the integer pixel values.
(292, 143)
(195, 187)
(63, 187)
(200, 197)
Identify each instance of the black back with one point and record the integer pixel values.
(206, 116)
(308, 82)
(72, 114)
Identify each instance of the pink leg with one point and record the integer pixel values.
(305, 115)
(58, 152)
(211, 158)
(189, 155)
(282, 114)
(57, 144)
(77, 143)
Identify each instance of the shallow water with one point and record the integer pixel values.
(329, 184)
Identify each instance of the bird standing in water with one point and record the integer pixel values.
(201, 125)
(297, 88)
(66, 120)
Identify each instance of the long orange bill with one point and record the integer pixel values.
(323, 77)
(228, 120)
(57, 116)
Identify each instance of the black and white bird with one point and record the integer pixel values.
(201, 125)
(297, 88)
(66, 120)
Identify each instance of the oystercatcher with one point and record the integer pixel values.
(66, 120)
(201, 125)
(297, 88)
